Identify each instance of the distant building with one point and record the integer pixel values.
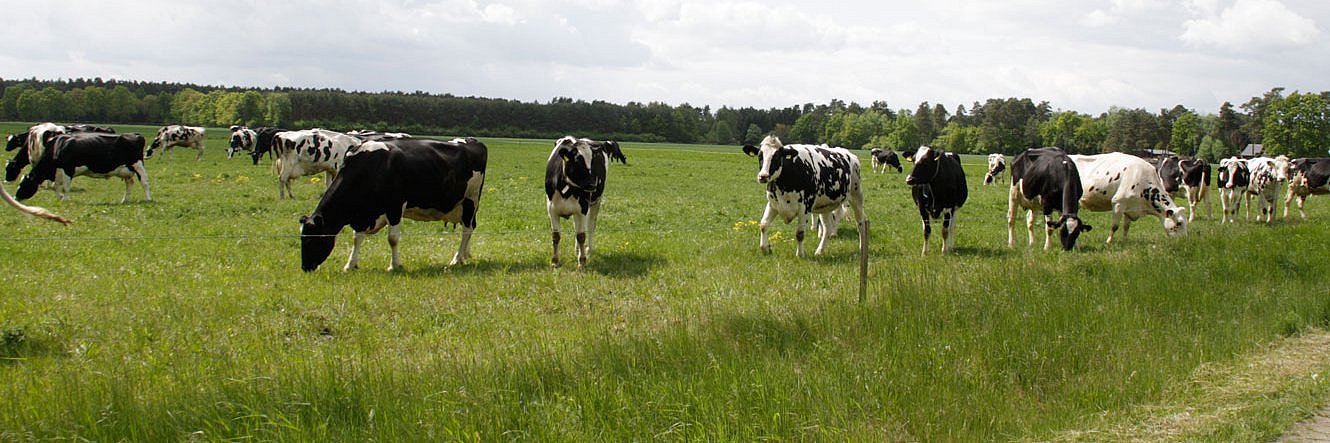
(1252, 151)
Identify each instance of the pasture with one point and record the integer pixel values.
(188, 318)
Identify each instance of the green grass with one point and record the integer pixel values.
(187, 317)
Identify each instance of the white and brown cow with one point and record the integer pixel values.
(386, 181)
(996, 164)
(308, 152)
(803, 180)
(1130, 188)
(575, 177)
(178, 135)
(1046, 180)
(937, 183)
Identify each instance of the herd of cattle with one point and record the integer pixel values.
(376, 179)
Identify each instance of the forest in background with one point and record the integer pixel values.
(1296, 124)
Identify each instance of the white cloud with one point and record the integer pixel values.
(1250, 25)
(1099, 18)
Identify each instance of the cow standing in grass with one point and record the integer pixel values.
(1191, 176)
(883, 158)
(1046, 180)
(1308, 176)
(575, 177)
(937, 183)
(383, 182)
(1234, 177)
(803, 180)
(86, 153)
(996, 164)
(178, 135)
(308, 152)
(1129, 187)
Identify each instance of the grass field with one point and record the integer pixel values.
(188, 318)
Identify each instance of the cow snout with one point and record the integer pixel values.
(762, 177)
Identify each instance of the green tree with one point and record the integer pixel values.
(1060, 130)
(958, 138)
(1131, 130)
(280, 109)
(754, 134)
(121, 105)
(1253, 125)
(1090, 136)
(9, 101)
(1229, 128)
(1297, 125)
(1186, 134)
(904, 135)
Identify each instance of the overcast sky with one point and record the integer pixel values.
(1078, 55)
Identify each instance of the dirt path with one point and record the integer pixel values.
(1314, 429)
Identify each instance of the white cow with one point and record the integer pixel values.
(308, 152)
(1130, 187)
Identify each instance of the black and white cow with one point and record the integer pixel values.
(19, 142)
(258, 144)
(87, 153)
(803, 180)
(1129, 187)
(996, 164)
(242, 139)
(937, 183)
(1046, 180)
(882, 158)
(369, 135)
(178, 135)
(574, 182)
(308, 152)
(1191, 176)
(385, 181)
(1308, 176)
(1234, 177)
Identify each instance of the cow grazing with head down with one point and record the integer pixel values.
(1191, 176)
(803, 180)
(1234, 177)
(256, 141)
(996, 164)
(1308, 176)
(1130, 188)
(1046, 180)
(177, 135)
(87, 153)
(882, 158)
(308, 152)
(242, 139)
(19, 142)
(574, 182)
(937, 182)
(385, 181)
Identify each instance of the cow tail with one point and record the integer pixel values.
(31, 210)
(1205, 184)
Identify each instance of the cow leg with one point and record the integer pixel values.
(799, 233)
(353, 261)
(129, 183)
(579, 226)
(554, 235)
(200, 156)
(1011, 216)
(1191, 202)
(762, 241)
(394, 234)
(591, 227)
(928, 228)
(948, 231)
(1113, 227)
(143, 178)
(463, 249)
(1048, 231)
(823, 234)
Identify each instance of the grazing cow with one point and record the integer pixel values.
(19, 142)
(803, 180)
(177, 135)
(1046, 180)
(258, 144)
(87, 153)
(1189, 175)
(574, 181)
(1233, 181)
(883, 158)
(937, 182)
(1308, 176)
(308, 152)
(242, 139)
(385, 181)
(996, 164)
(1130, 187)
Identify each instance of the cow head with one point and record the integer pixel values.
(576, 155)
(1069, 228)
(316, 242)
(1283, 168)
(1233, 173)
(1170, 172)
(996, 164)
(1175, 221)
(15, 166)
(927, 163)
(771, 157)
(242, 139)
(43, 169)
(15, 141)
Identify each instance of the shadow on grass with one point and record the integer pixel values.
(622, 264)
(473, 267)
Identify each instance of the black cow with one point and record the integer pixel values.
(807, 179)
(88, 153)
(1046, 180)
(381, 182)
(884, 158)
(937, 183)
(1189, 175)
(1310, 176)
(574, 182)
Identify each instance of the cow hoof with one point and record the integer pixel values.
(349, 268)
(554, 263)
(766, 250)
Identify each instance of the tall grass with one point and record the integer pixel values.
(187, 317)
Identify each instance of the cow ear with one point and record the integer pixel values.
(1168, 213)
(1086, 228)
(751, 150)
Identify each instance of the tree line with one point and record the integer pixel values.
(1296, 124)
